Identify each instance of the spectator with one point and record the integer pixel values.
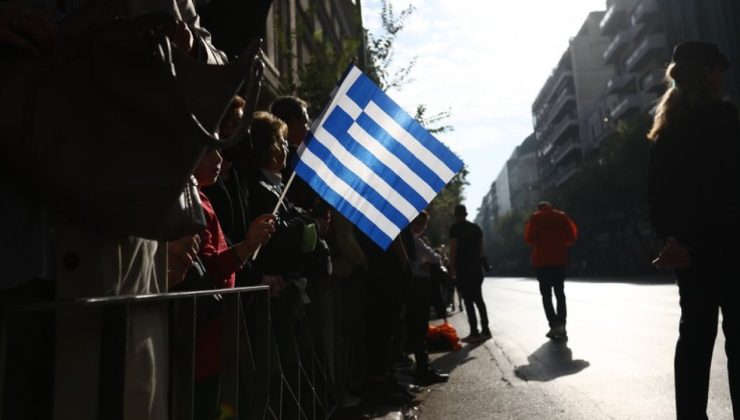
(82, 261)
(422, 258)
(221, 261)
(550, 232)
(294, 251)
(694, 200)
(466, 263)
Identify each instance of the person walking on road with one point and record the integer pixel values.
(694, 200)
(466, 266)
(550, 232)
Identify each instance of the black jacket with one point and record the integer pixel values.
(282, 254)
(694, 177)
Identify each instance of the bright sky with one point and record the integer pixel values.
(486, 60)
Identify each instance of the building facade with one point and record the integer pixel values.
(523, 176)
(292, 30)
(560, 109)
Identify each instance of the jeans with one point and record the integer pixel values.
(469, 284)
(705, 289)
(552, 279)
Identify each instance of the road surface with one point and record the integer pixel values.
(617, 363)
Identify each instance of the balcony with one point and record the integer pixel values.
(545, 149)
(622, 108)
(616, 47)
(562, 105)
(654, 81)
(568, 147)
(644, 10)
(559, 79)
(567, 126)
(651, 44)
(613, 20)
(564, 173)
(621, 83)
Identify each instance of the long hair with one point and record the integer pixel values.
(267, 133)
(687, 89)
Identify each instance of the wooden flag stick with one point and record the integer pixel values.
(275, 210)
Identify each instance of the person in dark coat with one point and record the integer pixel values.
(466, 256)
(694, 199)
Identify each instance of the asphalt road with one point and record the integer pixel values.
(617, 363)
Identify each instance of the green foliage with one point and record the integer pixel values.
(441, 209)
(430, 121)
(380, 50)
(319, 77)
(507, 251)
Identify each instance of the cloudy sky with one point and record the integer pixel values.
(485, 60)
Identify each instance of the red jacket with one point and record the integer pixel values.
(550, 232)
(221, 264)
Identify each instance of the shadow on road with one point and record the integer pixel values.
(453, 359)
(552, 360)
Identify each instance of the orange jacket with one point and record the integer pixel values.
(550, 232)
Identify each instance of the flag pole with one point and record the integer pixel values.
(275, 210)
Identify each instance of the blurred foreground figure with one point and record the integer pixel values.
(550, 232)
(694, 199)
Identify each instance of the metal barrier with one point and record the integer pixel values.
(239, 343)
(252, 358)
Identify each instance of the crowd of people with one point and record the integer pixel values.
(342, 308)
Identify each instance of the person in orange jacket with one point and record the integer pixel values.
(550, 232)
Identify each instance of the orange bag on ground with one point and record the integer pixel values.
(443, 337)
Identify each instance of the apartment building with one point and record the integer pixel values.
(639, 48)
(642, 36)
(560, 109)
(488, 211)
(515, 188)
(523, 176)
(290, 32)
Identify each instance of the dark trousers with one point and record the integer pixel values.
(417, 319)
(704, 291)
(28, 369)
(469, 284)
(552, 279)
(385, 294)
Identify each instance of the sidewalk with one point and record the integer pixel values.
(483, 385)
(474, 376)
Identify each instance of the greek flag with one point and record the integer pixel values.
(373, 162)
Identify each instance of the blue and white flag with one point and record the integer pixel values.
(372, 161)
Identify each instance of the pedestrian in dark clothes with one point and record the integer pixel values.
(466, 263)
(694, 199)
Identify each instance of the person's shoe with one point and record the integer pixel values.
(430, 376)
(472, 337)
(560, 332)
(557, 333)
(486, 333)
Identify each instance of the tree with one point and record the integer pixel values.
(508, 252)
